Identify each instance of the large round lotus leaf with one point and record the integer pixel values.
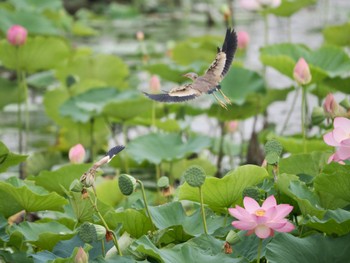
(288, 7)
(107, 68)
(239, 77)
(156, 148)
(8, 158)
(46, 52)
(9, 93)
(327, 61)
(287, 248)
(89, 104)
(197, 49)
(337, 34)
(221, 193)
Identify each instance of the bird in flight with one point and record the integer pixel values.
(208, 83)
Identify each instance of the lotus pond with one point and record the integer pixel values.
(92, 170)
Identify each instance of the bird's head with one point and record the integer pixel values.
(191, 75)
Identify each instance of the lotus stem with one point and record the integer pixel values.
(203, 211)
(296, 95)
(146, 204)
(114, 237)
(259, 250)
(303, 117)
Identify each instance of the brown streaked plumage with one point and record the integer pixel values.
(210, 81)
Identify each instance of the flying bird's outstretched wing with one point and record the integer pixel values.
(209, 82)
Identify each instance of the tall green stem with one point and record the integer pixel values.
(203, 211)
(303, 116)
(114, 237)
(259, 250)
(146, 203)
(92, 142)
(266, 29)
(296, 95)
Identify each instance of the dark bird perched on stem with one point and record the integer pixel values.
(210, 81)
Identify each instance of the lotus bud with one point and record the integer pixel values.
(154, 84)
(81, 256)
(90, 232)
(252, 192)
(332, 108)
(243, 39)
(140, 36)
(195, 176)
(76, 186)
(77, 154)
(301, 73)
(317, 115)
(225, 10)
(17, 35)
(127, 184)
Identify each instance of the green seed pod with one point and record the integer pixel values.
(252, 192)
(233, 237)
(76, 186)
(90, 232)
(195, 176)
(272, 158)
(317, 115)
(127, 184)
(163, 182)
(273, 146)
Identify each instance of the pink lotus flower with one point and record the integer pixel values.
(77, 154)
(17, 35)
(154, 84)
(262, 220)
(243, 39)
(301, 72)
(340, 138)
(255, 5)
(81, 256)
(231, 126)
(140, 35)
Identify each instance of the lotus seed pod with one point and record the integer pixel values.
(272, 158)
(87, 232)
(317, 115)
(233, 237)
(252, 192)
(90, 232)
(163, 182)
(195, 176)
(76, 186)
(127, 184)
(273, 146)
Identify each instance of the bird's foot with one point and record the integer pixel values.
(221, 103)
(227, 99)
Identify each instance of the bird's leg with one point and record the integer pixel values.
(222, 104)
(227, 99)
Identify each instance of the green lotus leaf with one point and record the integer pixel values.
(157, 148)
(237, 78)
(334, 222)
(202, 49)
(24, 195)
(254, 104)
(108, 192)
(203, 249)
(8, 158)
(87, 105)
(40, 161)
(308, 201)
(37, 5)
(47, 52)
(315, 248)
(60, 179)
(9, 93)
(220, 194)
(295, 145)
(290, 7)
(108, 69)
(43, 235)
(337, 34)
(338, 83)
(327, 61)
(173, 214)
(332, 185)
(41, 80)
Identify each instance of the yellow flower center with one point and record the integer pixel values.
(260, 212)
